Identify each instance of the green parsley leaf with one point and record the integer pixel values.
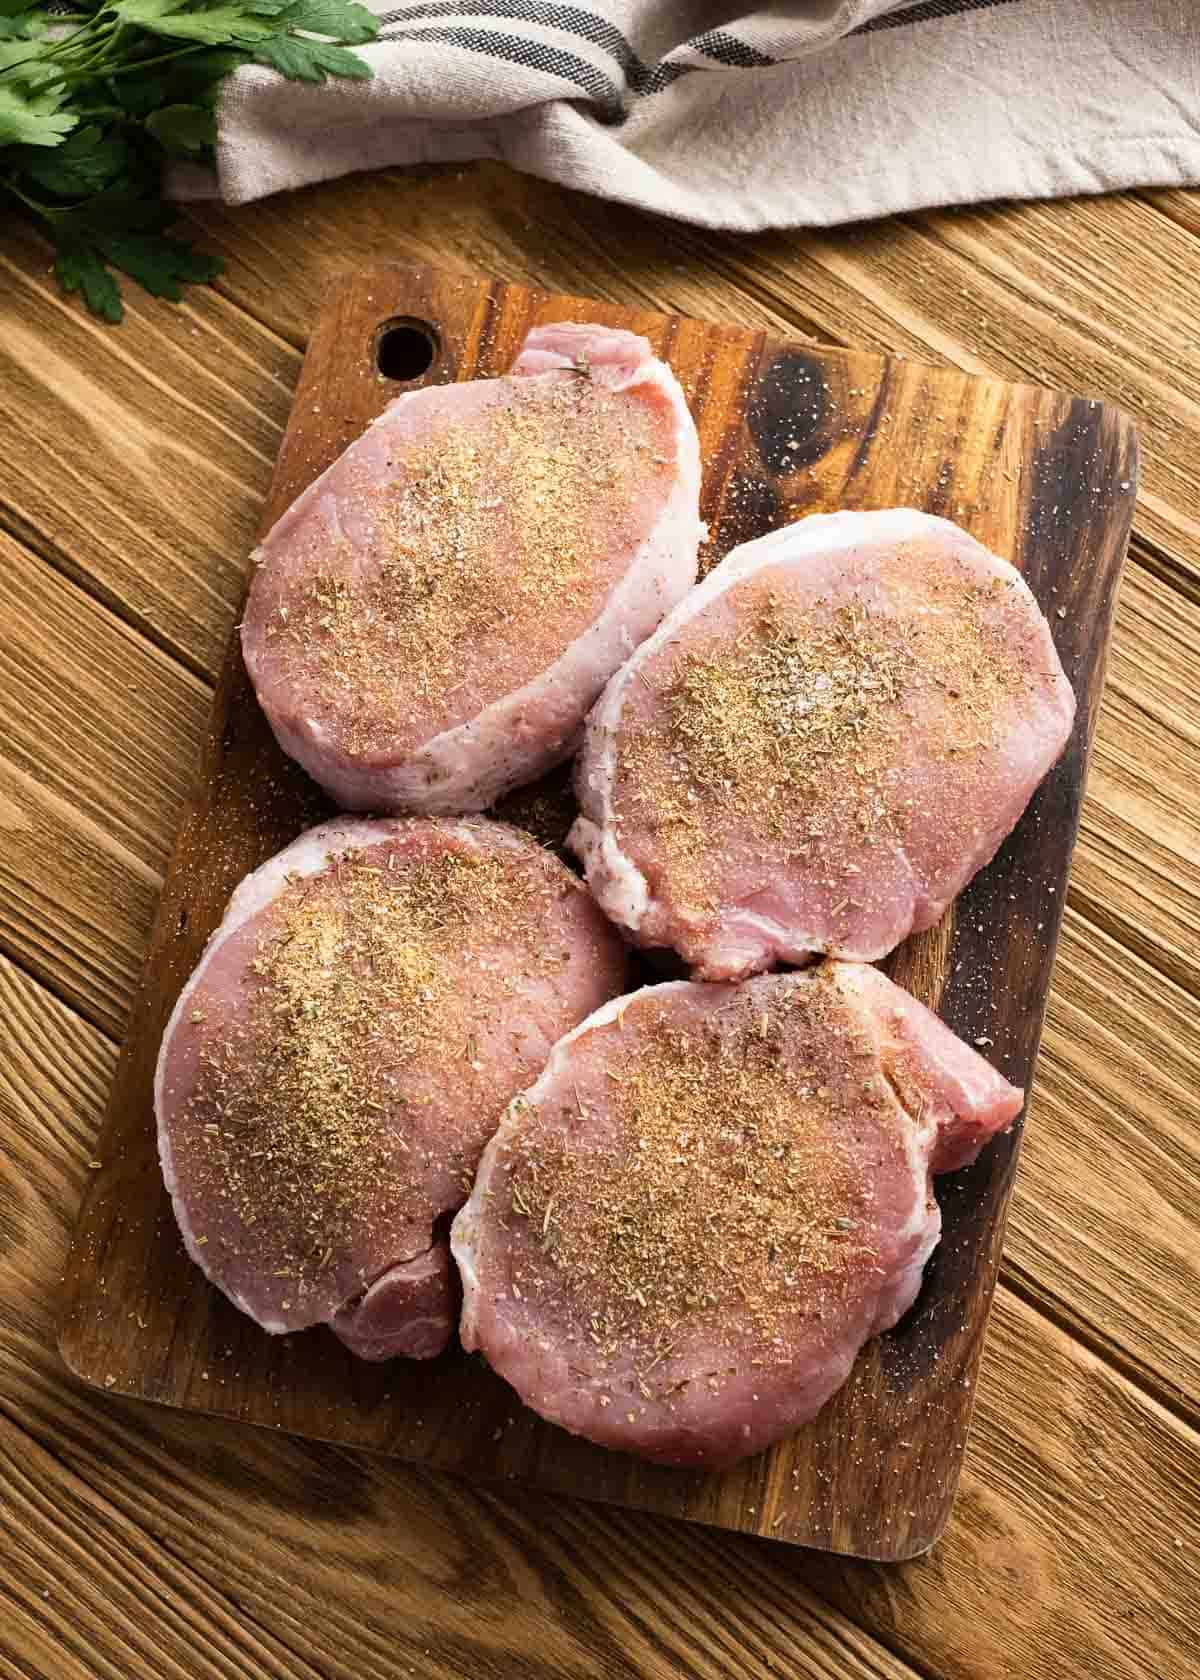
(183, 130)
(304, 60)
(87, 161)
(217, 25)
(19, 59)
(32, 116)
(340, 20)
(89, 112)
(139, 95)
(119, 209)
(195, 80)
(157, 263)
(80, 268)
(21, 25)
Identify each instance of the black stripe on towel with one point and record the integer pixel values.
(726, 49)
(720, 45)
(926, 11)
(639, 78)
(547, 14)
(532, 55)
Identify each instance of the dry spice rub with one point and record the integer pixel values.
(354, 973)
(685, 1230)
(821, 745)
(796, 725)
(723, 1178)
(500, 526)
(431, 621)
(374, 997)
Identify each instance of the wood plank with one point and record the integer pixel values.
(76, 907)
(784, 430)
(92, 778)
(1137, 869)
(69, 732)
(481, 218)
(486, 218)
(1104, 1233)
(1074, 1550)
(135, 459)
(326, 1562)
(125, 744)
(1099, 296)
(1135, 866)
(126, 1616)
(144, 1545)
(1012, 1593)
(1109, 301)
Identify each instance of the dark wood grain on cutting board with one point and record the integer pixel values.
(785, 429)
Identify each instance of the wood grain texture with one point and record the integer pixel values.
(158, 442)
(1117, 1088)
(785, 429)
(1054, 1565)
(91, 783)
(1139, 871)
(142, 1541)
(126, 778)
(76, 906)
(1136, 867)
(1094, 295)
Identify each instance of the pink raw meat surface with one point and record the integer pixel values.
(683, 1233)
(821, 745)
(374, 996)
(430, 622)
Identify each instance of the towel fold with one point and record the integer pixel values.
(748, 116)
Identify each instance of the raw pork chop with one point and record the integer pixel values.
(683, 1233)
(374, 996)
(430, 622)
(821, 745)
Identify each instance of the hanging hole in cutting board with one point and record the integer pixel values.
(405, 348)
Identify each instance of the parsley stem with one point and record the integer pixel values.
(96, 51)
(58, 49)
(61, 79)
(34, 58)
(67, 51)
(136, 68)
(29, 203)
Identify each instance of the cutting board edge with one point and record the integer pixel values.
(343, 280)
(1119, 538)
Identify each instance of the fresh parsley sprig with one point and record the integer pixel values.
(95, 102)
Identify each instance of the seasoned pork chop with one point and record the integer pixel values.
(821, 745)
(430, 622)
(373, 998)
(683, 1233)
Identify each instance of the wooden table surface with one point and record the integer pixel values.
(133, 464)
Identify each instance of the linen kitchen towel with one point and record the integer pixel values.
(746, 116)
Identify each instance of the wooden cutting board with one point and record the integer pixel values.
(786, 429)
